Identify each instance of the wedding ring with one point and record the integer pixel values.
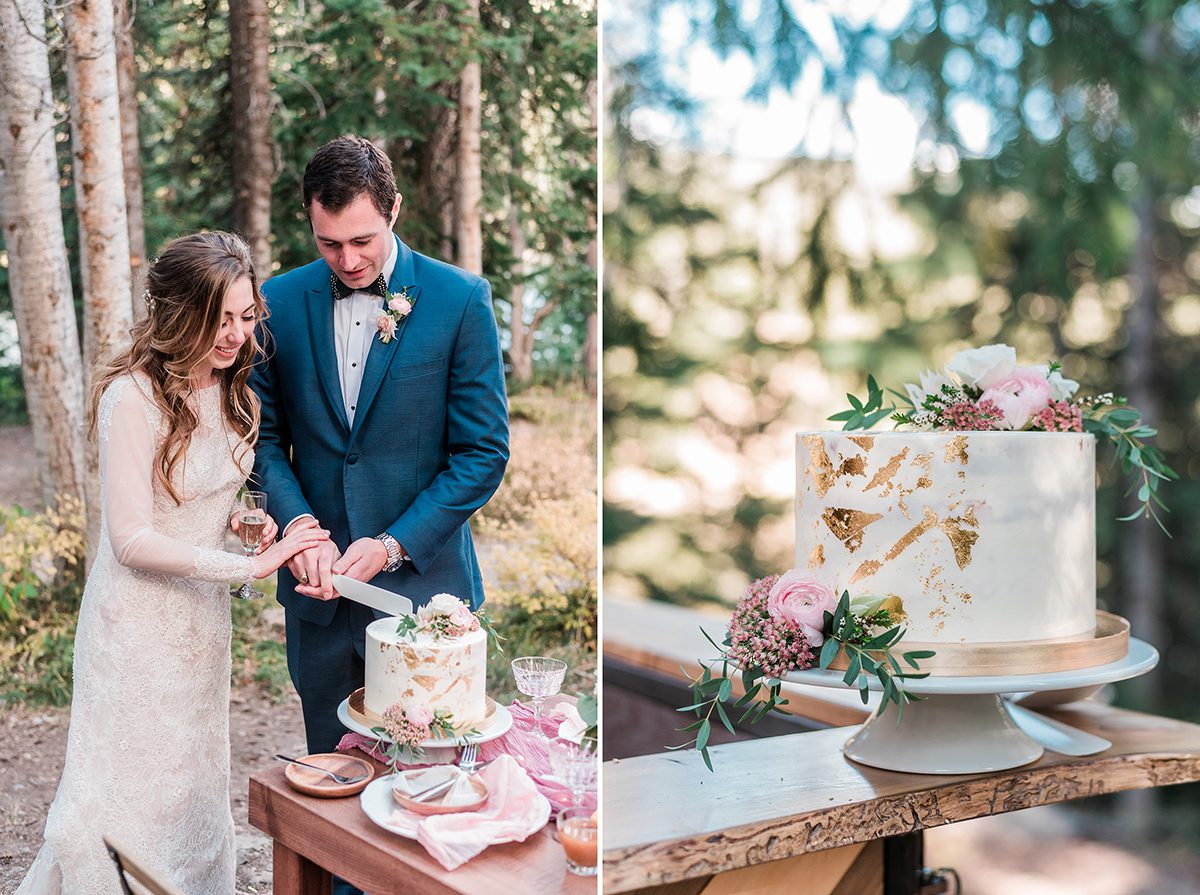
(304, 579)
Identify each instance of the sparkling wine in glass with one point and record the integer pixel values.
(252, 520)
(538, 677)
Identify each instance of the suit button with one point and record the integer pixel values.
(352, 459)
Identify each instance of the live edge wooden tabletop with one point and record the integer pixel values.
(783, 796)
(336, 835)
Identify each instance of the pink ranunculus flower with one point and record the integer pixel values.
(800, 598)
(386, 324)
(1019, 396)
(400, 305)
(420, 715)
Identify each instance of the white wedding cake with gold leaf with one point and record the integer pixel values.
(987, 537)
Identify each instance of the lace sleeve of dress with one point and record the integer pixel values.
(126, 422)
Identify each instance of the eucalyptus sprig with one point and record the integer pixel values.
(864, 414)
(1110, 417)
(870, 655)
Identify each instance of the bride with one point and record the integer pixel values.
(147, 754)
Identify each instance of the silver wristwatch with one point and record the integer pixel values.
(395, 554)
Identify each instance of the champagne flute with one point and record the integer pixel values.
(252, 519)
(538, 677)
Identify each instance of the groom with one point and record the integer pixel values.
(383, 415)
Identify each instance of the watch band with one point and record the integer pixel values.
(395, 555)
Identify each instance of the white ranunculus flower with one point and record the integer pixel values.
(983, 367)
(444, 603)
(931, 384)
(1061, 388)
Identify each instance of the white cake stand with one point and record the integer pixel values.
(962, 726)
(438, 750)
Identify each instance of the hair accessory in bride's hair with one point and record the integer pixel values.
(149, 300)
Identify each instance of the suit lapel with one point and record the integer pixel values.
(318, 303)
(380, 357)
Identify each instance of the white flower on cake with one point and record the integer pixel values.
(1061, 388)
(982, 368)
(931, 384)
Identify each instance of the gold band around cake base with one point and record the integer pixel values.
(358, 710)
(1109, 642)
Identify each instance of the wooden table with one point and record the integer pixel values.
(316, 837)
(792, 807)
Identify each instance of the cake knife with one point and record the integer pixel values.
(370, 595)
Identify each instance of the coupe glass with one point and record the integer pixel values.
(574, 763)
(538, 677)
(252, 519)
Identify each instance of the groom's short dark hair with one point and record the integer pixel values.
(344, 168)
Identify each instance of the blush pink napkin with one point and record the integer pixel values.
(514, 811)
(520, 742)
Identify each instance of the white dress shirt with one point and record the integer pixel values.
(353, 332)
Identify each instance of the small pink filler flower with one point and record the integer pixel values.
(800, 598)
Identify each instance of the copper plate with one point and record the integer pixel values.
(436, 807)
(360, 713)
(314, 783)
(1108, 642)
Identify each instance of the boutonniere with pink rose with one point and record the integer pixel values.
(795, 622)
(985, 389)
(399, 305)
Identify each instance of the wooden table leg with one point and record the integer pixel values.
(294, 874)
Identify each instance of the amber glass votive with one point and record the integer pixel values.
(579, 834)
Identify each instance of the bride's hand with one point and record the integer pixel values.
(268, 535)
(301, 536)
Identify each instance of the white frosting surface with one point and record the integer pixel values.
(986, 536)
(443, 674)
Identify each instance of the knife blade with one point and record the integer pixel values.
(370, 595)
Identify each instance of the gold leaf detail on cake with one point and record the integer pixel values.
(965, 597)
(816, 558)
(855, 465)
(426, 681)
(886, 473)
(847, 525)
(866, 570)
(866, 442)
(929, 521)
(924, 482)
(957, 450)
(821, 468)
(961, 539)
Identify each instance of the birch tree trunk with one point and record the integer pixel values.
(38, 275)
(131, 153)
(469, 232)
(100, 203)
(253, 155)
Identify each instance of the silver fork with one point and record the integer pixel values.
(468, 760)
(337, 778)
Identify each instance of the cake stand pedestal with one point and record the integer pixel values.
(961, 726)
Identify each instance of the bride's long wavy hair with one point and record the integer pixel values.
(185, 296)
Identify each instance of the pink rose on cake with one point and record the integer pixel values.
(445, 615)
(800, 598)
(1019, 395)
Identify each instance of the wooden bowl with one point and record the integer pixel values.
(314, 783)
(435, 806)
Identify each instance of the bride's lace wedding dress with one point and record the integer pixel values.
(147, 754)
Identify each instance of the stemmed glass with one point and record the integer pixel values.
(252, 519)
(538, 677)
(574, 763)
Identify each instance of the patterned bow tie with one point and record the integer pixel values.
(341, 290)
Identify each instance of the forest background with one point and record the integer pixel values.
(126, 126)
(799, 194)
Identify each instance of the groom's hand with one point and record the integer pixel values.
(363, 560)
(312, 569)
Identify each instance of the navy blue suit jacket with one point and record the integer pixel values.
(429, 442)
